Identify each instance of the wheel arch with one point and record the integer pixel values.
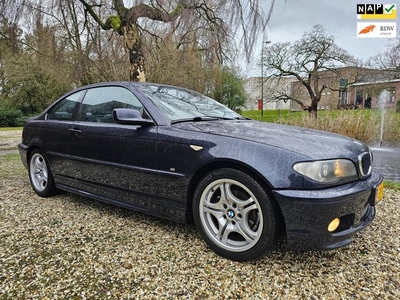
(228, 164)
(34, 143)
(29, 152)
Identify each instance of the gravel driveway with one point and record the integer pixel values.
(70, 247)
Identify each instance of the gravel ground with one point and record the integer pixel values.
(70, 247)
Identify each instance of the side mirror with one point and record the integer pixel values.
(129, 116)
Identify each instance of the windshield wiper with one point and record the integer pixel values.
(194, 119)
(205, 118)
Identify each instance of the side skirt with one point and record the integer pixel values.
(162, 208)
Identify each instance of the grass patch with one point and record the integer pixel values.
(10, 128)
(268, 115)
(11, 165)
(363, 125)
(392, 185)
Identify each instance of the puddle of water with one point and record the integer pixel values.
(387, 161)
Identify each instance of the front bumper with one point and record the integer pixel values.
(307, 214)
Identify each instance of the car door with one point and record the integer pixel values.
(54, 133)
(111, 159)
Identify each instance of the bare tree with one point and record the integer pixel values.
(209, 25)
(389, 60)
(10, 13)
(93, 54)
(166, 62)
(11, 10)
(308, 60)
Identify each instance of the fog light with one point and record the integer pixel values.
(333, 225)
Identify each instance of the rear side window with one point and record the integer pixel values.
(64, 110)
(98, 104)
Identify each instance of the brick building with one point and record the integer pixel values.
(346, 88)
(351, 87)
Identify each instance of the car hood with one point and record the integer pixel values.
(313, 144)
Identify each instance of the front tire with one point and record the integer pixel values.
(40, 175)
(234, 215)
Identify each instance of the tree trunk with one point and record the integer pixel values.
(136, 58)
(314, 108)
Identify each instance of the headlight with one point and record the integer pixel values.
(327, 171)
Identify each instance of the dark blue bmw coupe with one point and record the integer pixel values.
(177, 154)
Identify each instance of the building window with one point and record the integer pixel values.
(343, 82)
(359, 98)
(342, 98)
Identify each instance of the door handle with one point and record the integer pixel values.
(74, 131)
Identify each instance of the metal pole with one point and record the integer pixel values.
(262, 76)
(262, 80)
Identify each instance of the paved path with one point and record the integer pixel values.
(387, 161)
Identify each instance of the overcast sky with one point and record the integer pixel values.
(292, 18)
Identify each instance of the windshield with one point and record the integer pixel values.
(181, 104)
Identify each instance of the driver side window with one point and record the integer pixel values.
(98, 104)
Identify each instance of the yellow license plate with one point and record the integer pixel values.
(379, 193)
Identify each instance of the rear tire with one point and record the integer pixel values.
(235, 216)
(40, 175)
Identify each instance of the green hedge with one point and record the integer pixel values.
(11, 117)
